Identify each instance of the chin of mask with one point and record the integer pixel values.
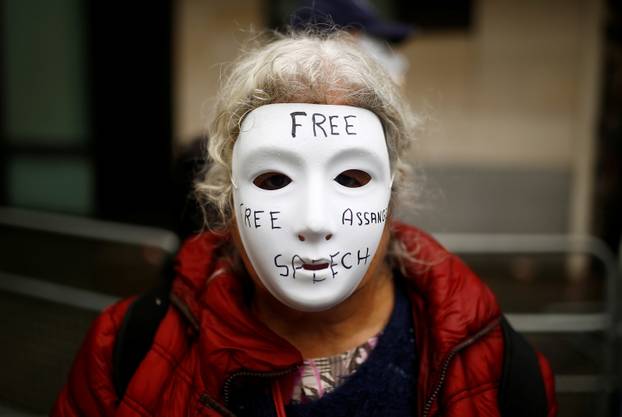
(312, 185)
(393, 62)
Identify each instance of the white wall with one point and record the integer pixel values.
(208, 34)
(511, 91)
(518, 93)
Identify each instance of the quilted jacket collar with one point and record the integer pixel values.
(450, 305)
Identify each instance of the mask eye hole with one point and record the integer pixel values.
(353, 178)
(272, 181)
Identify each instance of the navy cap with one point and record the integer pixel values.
(349, 14)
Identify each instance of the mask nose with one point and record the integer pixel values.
(316, 224)
(314, 236)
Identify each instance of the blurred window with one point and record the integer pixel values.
(85, 108)
(45, 107)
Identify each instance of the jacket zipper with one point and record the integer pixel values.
(445, 366)
(208, 401)
(204, 398)
(227, 386)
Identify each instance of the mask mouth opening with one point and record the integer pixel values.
(314, 266)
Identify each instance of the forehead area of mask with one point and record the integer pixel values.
(304, 124)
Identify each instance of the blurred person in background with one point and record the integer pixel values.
(304, 297)
(374, 35)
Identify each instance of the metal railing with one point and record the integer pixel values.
(606, 322)
(90, 228)
(55, 293)
(81, 227)
(86, 302)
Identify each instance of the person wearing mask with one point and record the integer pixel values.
(304, 296)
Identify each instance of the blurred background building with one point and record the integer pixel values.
(521, 135)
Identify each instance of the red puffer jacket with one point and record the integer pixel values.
(209, 335)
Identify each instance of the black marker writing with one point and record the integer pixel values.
(343, 260)
(315, 123)
(358, 254)
(349, 125)
(273, 218)
(363, 218)
(294, 265)
(281, 266)
(332, 126)
(256, 218)
(337, 261)
(294, 124)
(333, 264)
(316, 280)
(346, 217)
(320, 123)
(247, 217)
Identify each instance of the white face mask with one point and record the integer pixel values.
(312, 184)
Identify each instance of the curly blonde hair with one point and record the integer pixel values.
(302, 67)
